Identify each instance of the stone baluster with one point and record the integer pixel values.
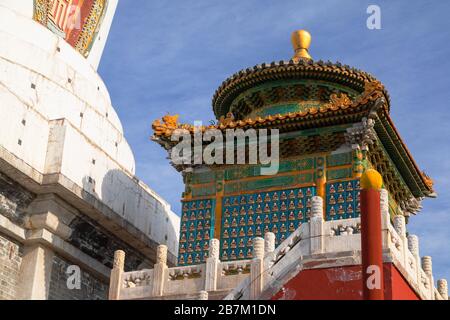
(400, 227)
(385, 217)
(212, 265)
(413, 246)
(442, 288)
(115, 280)
(256, 269)
(384, 206)
(269, 248)
(269, 242)
(258, 248)
(427, 266)
(316, 225)
(203, 295)
(159, 270)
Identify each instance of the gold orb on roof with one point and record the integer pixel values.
(301, 40)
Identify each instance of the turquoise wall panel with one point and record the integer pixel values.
(196, 229)
(245, 217)
(342, 200)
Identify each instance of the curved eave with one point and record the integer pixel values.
(401, 156)
(288, 122)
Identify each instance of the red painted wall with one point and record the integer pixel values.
(342, 283)
(400, 289)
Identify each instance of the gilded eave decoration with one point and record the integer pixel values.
(337, 102)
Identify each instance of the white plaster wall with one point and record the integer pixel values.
(23, 7)
(70, 123)
(106, 180)
(33, 133)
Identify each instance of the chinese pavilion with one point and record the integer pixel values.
(334, 125)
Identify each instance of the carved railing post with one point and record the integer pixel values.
(316, 225)
(400, 227)
(212, 265)
(427, 266)
(258, 248)
(115, 280)
(413, 246)
(384, 206)
(269, 242)
(385, 217)
(203, 295)
(269, 248)
(256, 269)
(159, 270)
(442, 288)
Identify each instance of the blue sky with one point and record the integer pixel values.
(170, 56)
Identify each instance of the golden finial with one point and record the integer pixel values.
(371, 179)
(301, 39)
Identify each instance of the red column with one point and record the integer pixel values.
(371, 236)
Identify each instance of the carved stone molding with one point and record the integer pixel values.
(361, 134)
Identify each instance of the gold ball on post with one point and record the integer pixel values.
(371, 179)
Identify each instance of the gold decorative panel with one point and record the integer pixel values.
(76, 21)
